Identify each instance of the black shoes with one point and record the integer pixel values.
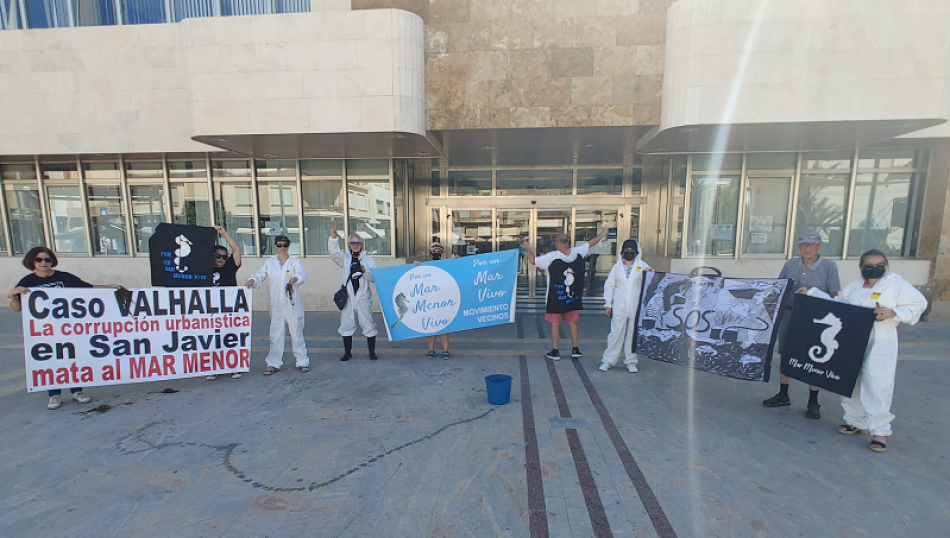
(346, 356)
(812, 411)
(576, 353)
(777, 401)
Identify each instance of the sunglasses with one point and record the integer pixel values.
(356, 244)
(880, 266)
(43, 260)
(221, 256)
(283, 245)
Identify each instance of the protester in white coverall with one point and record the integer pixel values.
(286, 274)
(357, 275)
(895, 301)
(621, 299)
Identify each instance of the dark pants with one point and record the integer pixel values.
(57, 392)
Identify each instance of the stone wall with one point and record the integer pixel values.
(540, 63)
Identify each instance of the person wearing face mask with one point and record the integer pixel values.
(357, 272)
(435, 252)
(621, 299)
(286, 274)
(894, 301)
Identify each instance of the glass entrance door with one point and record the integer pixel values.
(547, 224)
(471, 232)
(511, 228)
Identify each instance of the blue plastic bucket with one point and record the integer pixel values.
(499, 389)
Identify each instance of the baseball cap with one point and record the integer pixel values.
(280, 238)
(811, 237)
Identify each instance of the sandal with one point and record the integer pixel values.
(303, 369)
(270, 370)
(847, 429)
(430, 355)
(878, 446)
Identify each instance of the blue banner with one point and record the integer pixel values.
(447, 296)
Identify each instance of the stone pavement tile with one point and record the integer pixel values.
(558, 523)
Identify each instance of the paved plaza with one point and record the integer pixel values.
(409, 447)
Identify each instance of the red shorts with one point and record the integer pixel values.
(570, 317)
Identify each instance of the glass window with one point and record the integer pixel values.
(144, 169)
(231, 168)
(100, 170)
(367, 167)
(321, 168)
(143, 12)
(278, 215)
(276, 168)
(839, 161)
(66, 219)
(888, 158)
(3, 239)
(635, 223)
(234, 210)
(9, 15)
(26, 218)
(717, 161)
(771, 161)
(470, 183)
(187, 169)
(17, 171)
(322, 205)
(471, 232)
(637, 181)
(94, 12)
(437, 227)
(600, 181)
(535, 182)
(47, 13)
(821, 202)
(189, 9)
(190, 204)
(148, 211)
(368, 220)
(59, 171)
(293, 6)
(882, 216)
(713, 207)
(435, 183)
(766, 215)
(106, 219)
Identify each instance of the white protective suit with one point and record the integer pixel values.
(869, 407)
(359, 306)
(282, 310)
(622, 295)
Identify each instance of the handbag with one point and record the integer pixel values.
(340, 297)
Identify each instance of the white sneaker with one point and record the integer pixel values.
(604, 366)
(81, 398)
(211, 377)
(236, 375)
(54, 402)
(632, 369)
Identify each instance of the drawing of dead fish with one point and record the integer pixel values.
(749, 359)
(402, 307)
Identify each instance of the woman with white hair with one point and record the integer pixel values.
(357, 274)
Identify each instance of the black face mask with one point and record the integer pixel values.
(629, 256)
(436, 256)
(871, 273)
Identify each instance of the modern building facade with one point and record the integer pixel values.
(714, 132)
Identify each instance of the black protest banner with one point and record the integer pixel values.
(724, 326)
(826, 343)
(182, 256)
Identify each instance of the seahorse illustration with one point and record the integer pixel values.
(183, 250)
(827, 338)
(402, 305)
(568, 281)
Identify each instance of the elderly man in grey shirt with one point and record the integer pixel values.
(809, 271)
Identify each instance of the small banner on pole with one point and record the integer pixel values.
(827, 341)
(724, 326)
(85, 337)
(448, 295)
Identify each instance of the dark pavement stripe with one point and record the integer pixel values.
(537, 510)
(595, 508)
(644, 491)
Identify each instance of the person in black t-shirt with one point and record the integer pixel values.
(41, 261)
(225, 270)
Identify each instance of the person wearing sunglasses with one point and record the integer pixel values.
(286, 274)
(42, 262)
(808, 271)
(894, 301)
(225, 270)
(356, 273)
